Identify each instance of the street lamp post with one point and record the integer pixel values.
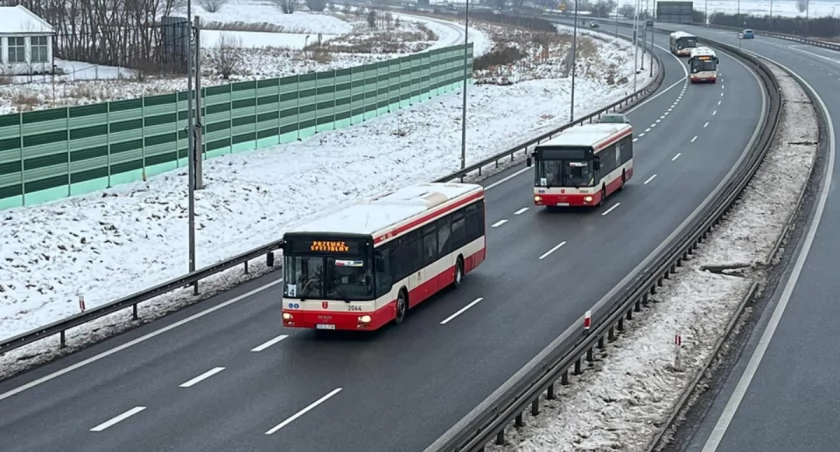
(574, 57)
(464, 106)
(190, 147)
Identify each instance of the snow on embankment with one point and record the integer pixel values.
(634, 386)
(122, 240)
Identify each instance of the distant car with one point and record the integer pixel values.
(748, 34)
(614, 118)
(593, 25)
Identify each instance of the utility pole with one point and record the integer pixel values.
(190, 149)
(651, 51)
(574, 62)
(464, 106)
(199, 148)
(635, 45)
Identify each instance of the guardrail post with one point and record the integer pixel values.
(62, 341)
(246, 266)
(535, 407)
(577, 367)
(611, 334)
(629, 314)
(519, 422)
(638, 307)
(550, 395)
(620, 324)
(653, 289)
(564, 379)
(269, 259)
(134, 315)
(500, 438)
(601, 344)
(590, 355)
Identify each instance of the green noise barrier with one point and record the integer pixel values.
(52, 154)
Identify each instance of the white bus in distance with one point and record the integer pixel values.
(367, 264)
(703, 64)
(681, 43)
(583, 165)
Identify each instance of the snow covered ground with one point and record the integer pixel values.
(263, 42)
(622, 404)
(251, 198)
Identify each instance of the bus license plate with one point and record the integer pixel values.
(563, 204)
(322, 326)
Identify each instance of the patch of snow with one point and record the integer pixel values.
(256, 11)
(259, 39)
(250, 198)
(630, 389)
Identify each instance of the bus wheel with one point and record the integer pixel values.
(402, 307)
(459, 272)
(623, 180)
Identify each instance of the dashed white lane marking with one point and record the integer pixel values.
(557, 247)
(118, 419)
(520, 211)
(611, 208)
(499, 182)
(652, 125)
(650, 179)
(722, 86)
(694, 139)
(666, 113)
(663, 116)
(202, 377)
(658, 121)
(721, 94)
(670, 109)
(642, 134)
(498, 223)
(706, 124)
(269, 343)
(647, 130)
(714, 112)
(635, 140)
(461, 311)
(304, 411)
(677, 156)
(719, 102)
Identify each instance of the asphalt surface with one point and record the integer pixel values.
(401, 388)
(790, 401)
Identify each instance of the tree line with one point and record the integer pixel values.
(818, 27)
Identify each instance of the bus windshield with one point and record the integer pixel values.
(698, 65)
(328, 269)
(564, 173)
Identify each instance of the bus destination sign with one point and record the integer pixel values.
(330, 246)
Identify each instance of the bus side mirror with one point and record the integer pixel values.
(596, 164)
(528, 162)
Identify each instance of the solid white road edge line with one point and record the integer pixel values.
(556, 247)
(304, 411)
(134, 342)
(118, 419)
(461, 311)
(574, 328)
(752, 366)
(202, 377)
(269, 343)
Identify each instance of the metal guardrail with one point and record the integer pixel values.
(131, 301)
(524, 394)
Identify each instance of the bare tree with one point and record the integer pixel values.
(212, 6)
(226, 56)
(287, 6)
(627, 10)
(802, 5)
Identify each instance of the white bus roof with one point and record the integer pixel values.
(595, 135)
(681, 34)
(386, 213)
(702, 51)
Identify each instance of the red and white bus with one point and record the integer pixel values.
(583, 165)
(368, 264)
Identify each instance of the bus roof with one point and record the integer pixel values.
(681, 34)
(390, 214)
(702, 51)
(596, 136)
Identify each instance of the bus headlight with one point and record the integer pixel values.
(287, 316)
(364, 319)
(587, 199)
(537, 198)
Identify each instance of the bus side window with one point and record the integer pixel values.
(429, 244)
(384, 277)
(475, 221)
(459, 229)
(444, 233)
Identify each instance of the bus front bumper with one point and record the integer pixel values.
(710, 79)
(346, 321)
(566, 200)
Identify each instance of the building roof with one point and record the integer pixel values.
(17, 20)
(589, 135)
(388, 211)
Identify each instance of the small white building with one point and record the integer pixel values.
(26, 42)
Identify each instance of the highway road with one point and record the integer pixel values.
(781, 395)
(225, 376)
